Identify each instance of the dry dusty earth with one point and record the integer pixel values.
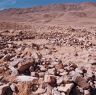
(49, 50)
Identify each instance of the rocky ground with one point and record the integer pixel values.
(47, 59)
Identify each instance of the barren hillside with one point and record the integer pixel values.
(48, 50)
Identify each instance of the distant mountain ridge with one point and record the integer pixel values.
(49, 8)
(62, 14)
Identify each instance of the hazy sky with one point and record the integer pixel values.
(29, 3)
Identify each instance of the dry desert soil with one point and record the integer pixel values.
(48, 50)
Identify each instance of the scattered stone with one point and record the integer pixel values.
(7, 57)
(73, 75)
(41, 74)
(74, 66)
(63, 93)
(13, 87)
(16, 61)
(33, 74)
(14, 71)
(50, 79)
(1, 69)
(81, 89)
(24, 78)
(82, 82)
(86, 92)
(39, 91)
(1, 77)
(5, 90)
(66, 79)
(25, 65)
(59, 66)
(31, 67)
(42, 68)
(67, 88)
(55, 92)
(77, 70)
(51, 71)
(48, 90)
(60, 80)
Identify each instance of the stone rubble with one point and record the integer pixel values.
(26, 70)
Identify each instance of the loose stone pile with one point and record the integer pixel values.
(43, 76)
(25, 70)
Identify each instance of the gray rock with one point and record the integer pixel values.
(14, 71)
(55, 92)
(51, 71)
(16, 61)
(67, 88)
(24, 78)
(33, 74)
(77, 70)
(39, 91)
(60, 80)
(42, 68)
(86, 92)
(62, 72)
(13, 87)
(50, 79)
(73, 75)
(63, 93)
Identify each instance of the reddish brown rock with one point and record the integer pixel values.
(25, 65)
(50, 79)
(82, 82)
(59, 66)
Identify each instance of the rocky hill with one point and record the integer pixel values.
(48, 50)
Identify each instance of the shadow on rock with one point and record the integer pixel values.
(74, 90)
(92, 91)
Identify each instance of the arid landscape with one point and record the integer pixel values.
(48, 50)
